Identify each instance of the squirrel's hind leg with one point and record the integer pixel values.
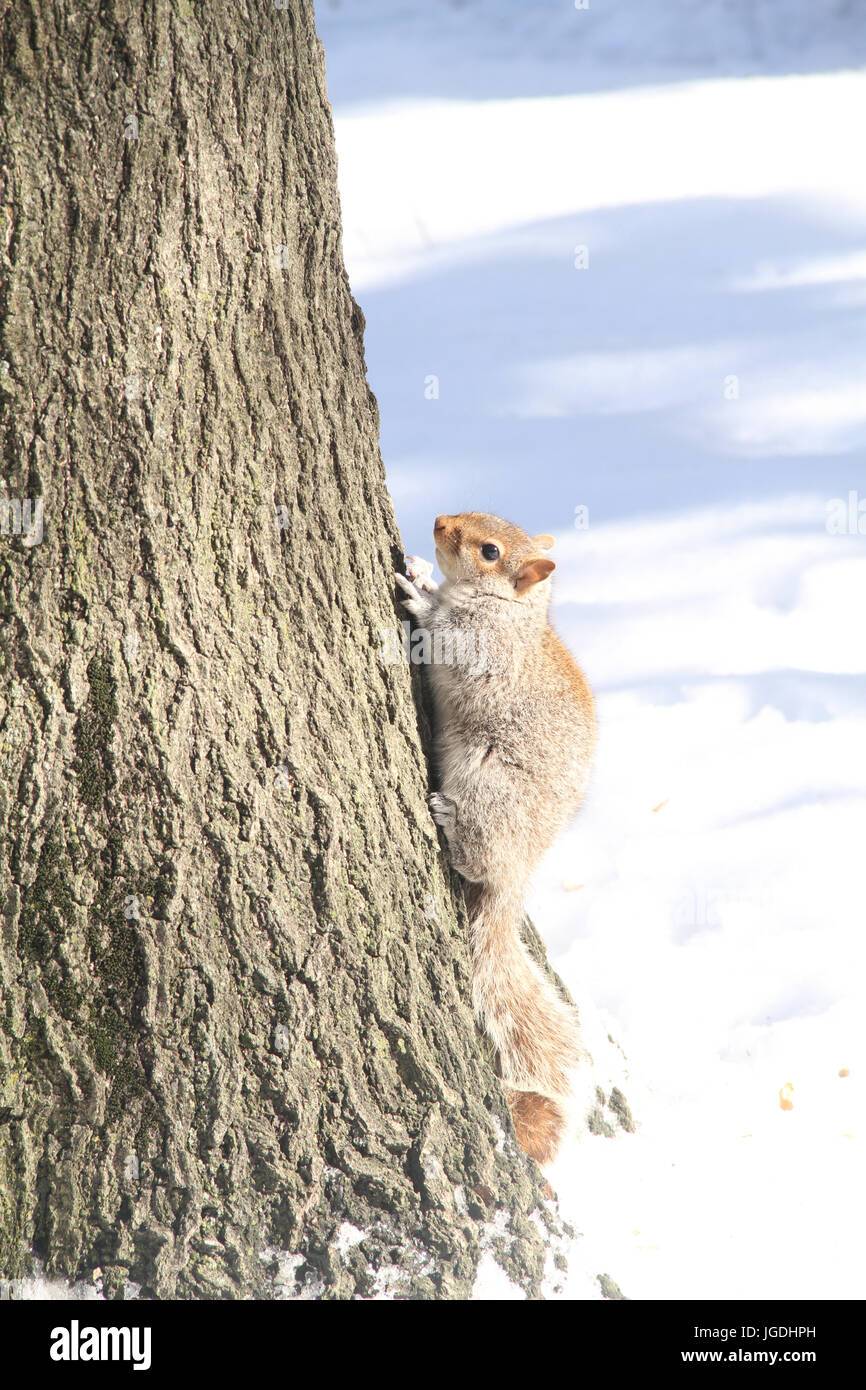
(444, 811)
(463, 862)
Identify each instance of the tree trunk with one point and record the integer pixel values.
(237, 1057)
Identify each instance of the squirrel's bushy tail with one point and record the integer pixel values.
(533, 1029)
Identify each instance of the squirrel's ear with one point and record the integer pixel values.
(543, 542)
(532, 572)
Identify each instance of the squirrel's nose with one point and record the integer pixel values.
(440, 525)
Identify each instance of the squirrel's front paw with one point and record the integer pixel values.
(421, 573)
(418, 604)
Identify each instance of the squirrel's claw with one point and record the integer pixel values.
(443, 810)
(407, 585)
(421, 573)
(416, 604)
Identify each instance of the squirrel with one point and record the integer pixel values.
(513, 739)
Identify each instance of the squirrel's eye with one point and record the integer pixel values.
(490, 552)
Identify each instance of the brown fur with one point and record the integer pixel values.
(539, 1124)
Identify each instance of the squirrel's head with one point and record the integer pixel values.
(494, 555)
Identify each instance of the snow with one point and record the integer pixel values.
(492, 1284)
(613, 259)
(39, 1288)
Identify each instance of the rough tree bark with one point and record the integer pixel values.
(236, 1053)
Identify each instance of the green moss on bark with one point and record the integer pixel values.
(93, 734)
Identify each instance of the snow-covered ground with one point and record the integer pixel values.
(615, 258)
